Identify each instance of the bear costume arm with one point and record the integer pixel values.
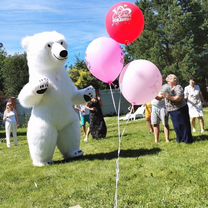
(83, 95)
(31, 95)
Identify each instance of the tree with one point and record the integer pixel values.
(2, 58)
(14, 74)
(175, 37)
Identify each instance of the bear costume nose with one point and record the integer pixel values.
(64, 53)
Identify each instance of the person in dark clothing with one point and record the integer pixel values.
(98, 127)
(178, 110)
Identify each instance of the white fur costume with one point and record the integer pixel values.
(51, 94)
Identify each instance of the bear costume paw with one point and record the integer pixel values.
(77, 154)
(89, 93)
(42, 86)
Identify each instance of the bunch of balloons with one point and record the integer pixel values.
(140, 80)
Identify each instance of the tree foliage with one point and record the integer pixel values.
(2, 58)
(175, 37)
(15, 74)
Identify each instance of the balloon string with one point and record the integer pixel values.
(117, 160)
(120, 136)
(114, 105)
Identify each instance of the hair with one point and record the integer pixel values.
(172, 77)
(9, 103)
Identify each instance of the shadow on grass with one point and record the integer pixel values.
(199, 138)
(3, 134)
(113, 155)
(22, 133)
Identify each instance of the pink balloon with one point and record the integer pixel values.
(140, 81)
(105, 59)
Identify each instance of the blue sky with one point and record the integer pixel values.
(79, 21)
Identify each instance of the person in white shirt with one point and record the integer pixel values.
(193, 95)
(85, 117)
(10, 119)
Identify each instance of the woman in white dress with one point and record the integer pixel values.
(194, 99)
(10, 118)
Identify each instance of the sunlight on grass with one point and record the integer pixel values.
(151, 175)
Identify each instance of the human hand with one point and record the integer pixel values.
(167, 96)
(93, 109)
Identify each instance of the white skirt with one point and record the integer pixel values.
(195, 111)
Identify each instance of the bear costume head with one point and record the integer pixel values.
(46, 51)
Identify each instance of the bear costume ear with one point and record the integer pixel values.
(25, 42)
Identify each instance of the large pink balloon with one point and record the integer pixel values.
(140, 81)
(105, 59)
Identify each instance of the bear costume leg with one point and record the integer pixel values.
(42, 138)
(69, 141)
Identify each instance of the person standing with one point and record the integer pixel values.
(178, 109)
(10, 119)
(159, 113)
(148, 112)
(194, 99)
(85, 118)
(98, 127)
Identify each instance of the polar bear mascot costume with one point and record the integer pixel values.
(51, 94)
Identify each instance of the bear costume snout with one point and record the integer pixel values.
(64, 53)
(59, 51)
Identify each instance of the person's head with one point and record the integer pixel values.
(172, 80)
(94, 100)
(192, 82)
(9, 106)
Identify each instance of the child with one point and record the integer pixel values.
(85, 117)
(10, 119)
(148, 111)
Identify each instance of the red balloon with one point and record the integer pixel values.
(125, 23)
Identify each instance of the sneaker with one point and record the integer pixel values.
(193, 130)
(202, 131)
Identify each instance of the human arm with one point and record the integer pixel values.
(186, 93)
(177, 95)
(160, 96)
(17, 118)
(201, 97)
(175, 98)
(76, 107)
(89, 107)
(5, 116)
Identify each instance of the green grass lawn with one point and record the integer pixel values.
(151, 175)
